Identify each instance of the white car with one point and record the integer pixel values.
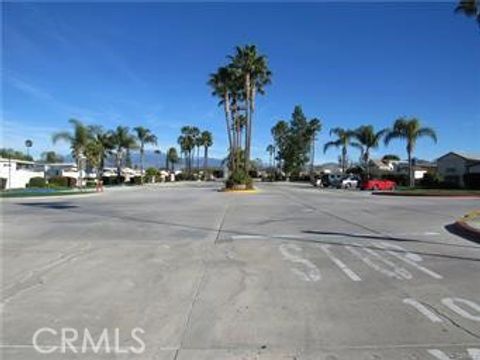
(350, 182)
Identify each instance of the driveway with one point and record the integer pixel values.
(186, 272)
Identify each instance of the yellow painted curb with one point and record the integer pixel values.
(254, 191)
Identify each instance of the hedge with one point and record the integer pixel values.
(37, 182)
(472, 181)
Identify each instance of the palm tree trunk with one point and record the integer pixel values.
(344, 158)
(198, 158)
(248, 128)
(141, 163)
(410, 170)
(367, 163)
(205, 163)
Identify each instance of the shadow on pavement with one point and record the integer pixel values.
(455, 230)
(50, 205)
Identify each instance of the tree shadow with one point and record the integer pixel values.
(50, 205)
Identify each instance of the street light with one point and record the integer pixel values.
(28, 145)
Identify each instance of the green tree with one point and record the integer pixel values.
(187, 141)
(78, 139)
(28, 145)
(254, 70)
(122, 142)
(14, 154)
(368, 139)
(172, 158)
(410, 130)
(470, 8)
(51, 157)
(144, 137)
(314, 127)
(280, 133)
(207, 142)
(343, 141)
(271, 152)
(390, 157)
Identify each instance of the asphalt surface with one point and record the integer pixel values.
(291, 272)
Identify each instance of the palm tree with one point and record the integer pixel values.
(314, 126)
(144, 136)
(253, 68)
(158, 152)
(410, 130)
(470, 8)
(343, 141)
(279, 134)
(187, 142)
(198, 144)
(368, 139)
(78, 139)
(51, 157)
(122, 142)
(172, 158)
(98, 147)
(271, 151)
(207, 141)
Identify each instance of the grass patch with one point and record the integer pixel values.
(43, 192)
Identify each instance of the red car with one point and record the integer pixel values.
(378, 184)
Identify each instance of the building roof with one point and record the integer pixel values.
(17, 161)
(469, 157)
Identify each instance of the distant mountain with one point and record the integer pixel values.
(155, 160)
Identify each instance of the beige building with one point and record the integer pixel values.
(454, 165)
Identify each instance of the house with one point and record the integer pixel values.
(16, 174)
(378, 167)
(420, 168)
(454, 165)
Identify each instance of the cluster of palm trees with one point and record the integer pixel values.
(94, 144)
(191, 139)
(236, 85)
(365, 138)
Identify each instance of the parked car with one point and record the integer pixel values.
(350, 182)
(378, 184)
(332, 180)
(316, 181)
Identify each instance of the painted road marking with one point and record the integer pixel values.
(373, 265)
(424, 310)
(312, 274)
(452, 304)
(349, 272)
(398, 269)
(407, 257)
(440, 355)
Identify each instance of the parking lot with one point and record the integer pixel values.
(290, 272)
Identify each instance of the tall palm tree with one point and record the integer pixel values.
(207, 141)
(172, 158)
(271, 151)
(410, 130)
(279, 133)
(187, 142)
(78, 138)
(470, 8)
(102, 146)
(344, 140)
(368, 139)
(314, 126)
(198, 144)
(144, 136)
(158, 152)
(256, 75)
(122, 142)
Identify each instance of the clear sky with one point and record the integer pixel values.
(148, 64)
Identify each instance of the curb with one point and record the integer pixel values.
(420, 194)
(463, 226)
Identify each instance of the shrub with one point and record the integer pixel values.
(91, 184)
(136, 180)
(37, 182)
(151, 171)
(430, 181)
(239, 177)
(472, 181)
(400, 179)
(113, 180)
(61, 181)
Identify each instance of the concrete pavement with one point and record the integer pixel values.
(292, 272)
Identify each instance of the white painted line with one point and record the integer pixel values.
(312, 274)
(474, 354)
(411, 262)
(451, 304)
(424, 310)
(349, 272)
(404, 273)
(439, 354)
(240, 237)
(373, 265)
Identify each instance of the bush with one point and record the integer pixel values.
(37, 182)
(430, 180)
(61, 181)
(151, 171)
(113, 180)
(91, 184)
(472, 181)
(239, 177)
(136, 180)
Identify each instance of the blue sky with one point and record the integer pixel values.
(148, 64)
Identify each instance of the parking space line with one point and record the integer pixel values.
(423, 309)
(373, 265)
(439, 354)
(349, 272)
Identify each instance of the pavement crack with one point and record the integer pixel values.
(222, 221)
(449, 319)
